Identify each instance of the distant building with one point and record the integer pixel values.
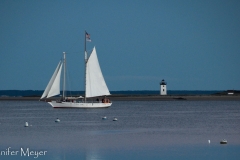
(230, 92)
(163, 88)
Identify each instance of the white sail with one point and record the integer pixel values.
(53, 81)
(95, 83)
(55, 89)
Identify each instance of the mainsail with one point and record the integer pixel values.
(53, 87)
(95, 83)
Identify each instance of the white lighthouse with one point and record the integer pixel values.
(163, 88)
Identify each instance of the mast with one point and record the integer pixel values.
(85, 52)
(64, 74)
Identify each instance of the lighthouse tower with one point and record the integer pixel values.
(163, 88)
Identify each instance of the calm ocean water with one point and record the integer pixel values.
(144, 130)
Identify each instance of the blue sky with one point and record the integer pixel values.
(192, 44)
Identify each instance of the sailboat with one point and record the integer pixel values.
(95, 85)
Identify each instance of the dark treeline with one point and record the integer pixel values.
(38, 93)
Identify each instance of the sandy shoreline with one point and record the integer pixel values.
(147, 98)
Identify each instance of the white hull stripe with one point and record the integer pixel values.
(55, 104)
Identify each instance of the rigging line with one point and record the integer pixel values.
(69, 82)
(89, 51)
(90, 84)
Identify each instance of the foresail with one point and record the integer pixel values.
(52, 80)
(95, 83)
(55, 89)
